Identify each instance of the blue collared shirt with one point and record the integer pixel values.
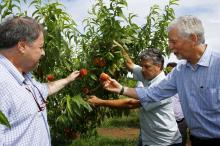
(199, 89)
(28, 125)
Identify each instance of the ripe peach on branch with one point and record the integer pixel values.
(83, 72)
(50, 77)
(104, 77)
(99, 61)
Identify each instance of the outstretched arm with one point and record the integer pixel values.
(113, 86)
(164, 89)
(118, 103)
(59, 84)
(128, 61)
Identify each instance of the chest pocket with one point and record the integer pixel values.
(210, 98)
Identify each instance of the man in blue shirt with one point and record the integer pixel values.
(23, 99)
(196, 81)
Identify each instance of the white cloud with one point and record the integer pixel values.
(78, 9)
(207, 10)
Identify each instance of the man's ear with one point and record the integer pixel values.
(21, 46)
(160, 66)
(194, 38)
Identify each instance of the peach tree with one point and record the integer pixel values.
(106, 31)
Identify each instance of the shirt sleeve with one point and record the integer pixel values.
(137, 73)
(157, 92)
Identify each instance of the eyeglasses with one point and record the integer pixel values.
(42, 106)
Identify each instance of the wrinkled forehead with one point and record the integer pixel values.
(174, 32)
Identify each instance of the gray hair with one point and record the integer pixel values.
(15, 29)
(152, 54)
(188, 25)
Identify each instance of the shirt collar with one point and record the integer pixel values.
(161, 74)
(13, 70)
(205, 59)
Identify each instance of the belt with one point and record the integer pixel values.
(180, 120)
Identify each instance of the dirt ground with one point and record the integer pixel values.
(129, 133)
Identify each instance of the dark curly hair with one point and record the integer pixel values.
(152, 54)
(15, 29)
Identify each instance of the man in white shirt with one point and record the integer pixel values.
(157, 121)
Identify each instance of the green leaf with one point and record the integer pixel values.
(4, 120)
(93, 77)
(76, 109)
(82, 102)
(109, 56)
(68, 104)
(62, 119)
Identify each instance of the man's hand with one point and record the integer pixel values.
(72, 76)
(128, 61)
(112, 85)
(114, 103)
(59, 84)
(95, 101)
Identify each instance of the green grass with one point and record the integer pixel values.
(131, 121)
(104, 141)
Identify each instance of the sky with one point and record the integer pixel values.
(207, 10)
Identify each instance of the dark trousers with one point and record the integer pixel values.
(195, 141)
(183, 130)
(178, 144)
